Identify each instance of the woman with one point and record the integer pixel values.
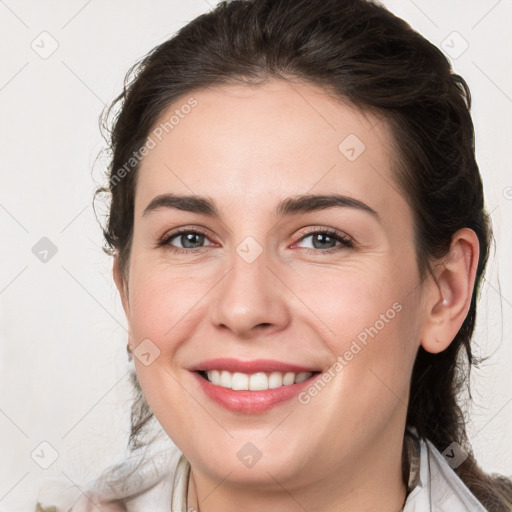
(299, 234)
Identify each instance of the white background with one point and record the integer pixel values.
(63, 369)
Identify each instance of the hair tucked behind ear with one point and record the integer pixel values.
(362, 53)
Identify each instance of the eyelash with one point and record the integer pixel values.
(345, 240)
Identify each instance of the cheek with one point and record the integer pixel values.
(162, 303)
(369, 322)
(351, 304)
(161, 307)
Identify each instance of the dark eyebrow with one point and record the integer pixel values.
(309, 203)
(195, 204)
(290, 206)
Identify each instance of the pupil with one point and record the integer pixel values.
(189, 238)
(323, 238)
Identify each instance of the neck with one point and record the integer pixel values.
(370, 481)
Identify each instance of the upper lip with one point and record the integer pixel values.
(253, 366)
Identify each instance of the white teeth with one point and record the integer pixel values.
(240, 381)
(256, 381)
(225, 379)
(301, 377)
(288, 379)
(275, 380)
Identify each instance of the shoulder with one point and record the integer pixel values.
(134, 485)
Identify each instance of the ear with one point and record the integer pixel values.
(121, 286)
(449, 295)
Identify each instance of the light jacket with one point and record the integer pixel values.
(433, 485)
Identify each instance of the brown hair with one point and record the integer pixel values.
(359, 51)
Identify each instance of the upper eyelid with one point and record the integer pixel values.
(181, 231)
(312, 230)
(166, 238)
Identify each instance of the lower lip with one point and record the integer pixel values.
(251, 401)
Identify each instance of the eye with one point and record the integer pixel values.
(327, 240)
(190, 240)
(323, 240)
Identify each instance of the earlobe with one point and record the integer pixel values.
(450, 293)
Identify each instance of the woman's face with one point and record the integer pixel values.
(261, 285)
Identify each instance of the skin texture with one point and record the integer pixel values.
(247, 148)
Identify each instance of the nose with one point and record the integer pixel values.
(250, 300)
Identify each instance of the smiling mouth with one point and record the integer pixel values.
(259, 381)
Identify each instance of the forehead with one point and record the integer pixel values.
(250, 146)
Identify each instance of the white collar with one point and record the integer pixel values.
(437, 487)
